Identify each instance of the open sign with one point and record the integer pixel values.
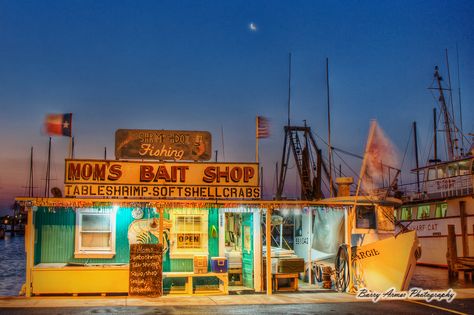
(189, 240)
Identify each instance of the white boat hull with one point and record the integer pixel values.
(432, 233)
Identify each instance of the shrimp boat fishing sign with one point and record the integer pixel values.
(177, 145)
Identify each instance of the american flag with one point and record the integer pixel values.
(263, 127)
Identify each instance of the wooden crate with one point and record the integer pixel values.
(200, 264)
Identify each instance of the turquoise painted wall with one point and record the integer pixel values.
(55, 232)
(55, 236)
(247, 257)
(213, 242)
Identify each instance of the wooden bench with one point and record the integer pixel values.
(293, 278)
(189, 277)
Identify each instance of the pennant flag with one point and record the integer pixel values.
(58, 124)
(263, 127)
(380, 156)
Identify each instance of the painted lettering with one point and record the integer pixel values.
(214, 174)
(174, 174)
(93, 171)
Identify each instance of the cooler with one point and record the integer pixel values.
(219, 264)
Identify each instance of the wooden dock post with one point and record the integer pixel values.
(451, 255)
(462, 212)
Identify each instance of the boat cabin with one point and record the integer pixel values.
(448, 179)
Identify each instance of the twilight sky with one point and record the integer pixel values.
(198, 65)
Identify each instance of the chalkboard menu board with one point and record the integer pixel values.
(145, 278)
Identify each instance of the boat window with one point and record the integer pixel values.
(441, 172)
(452, 170)
(406, 213)
(423, 212)
(95, 233)
(464, 168)
(431, 174)
(395, 214)
(365, 217)
(441, 210)
(189, 233)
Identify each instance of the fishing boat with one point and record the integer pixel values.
(350, 236)
(442, 195)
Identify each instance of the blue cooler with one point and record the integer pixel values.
(219, 264)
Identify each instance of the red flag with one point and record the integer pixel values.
(380, 156)
(263, 127)
(58, 124)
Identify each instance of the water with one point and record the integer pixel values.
(437, 279)
(12, 264)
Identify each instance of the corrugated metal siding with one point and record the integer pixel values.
(55, 243)
(181, 265)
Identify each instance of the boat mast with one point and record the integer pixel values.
(289, 86)
(459, 98)
(444, 112)
(30, 180)
(331, 192)
(435, 138)
(416, 158)
(286, 153)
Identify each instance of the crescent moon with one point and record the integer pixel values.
(253, 27)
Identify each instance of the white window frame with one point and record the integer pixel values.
(188, 253)
(87, 252)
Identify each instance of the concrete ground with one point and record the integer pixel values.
(320, 302)
(295, 303)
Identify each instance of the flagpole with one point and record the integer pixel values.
(256, 139)
(71, 141)
(351, 214)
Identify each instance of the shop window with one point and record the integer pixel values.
(406, 213)
(365, 217)
(441, 210)
(423, 212)
(95, 233)
(189, 235)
